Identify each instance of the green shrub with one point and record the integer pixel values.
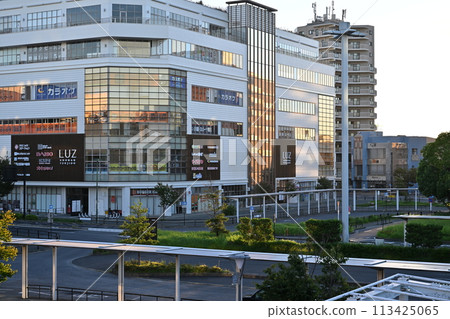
(323, 231)
(146, 266)
(257, 229)
(217, 224)
(426, 236)
(31, 217)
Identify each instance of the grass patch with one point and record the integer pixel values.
(155, 267)
(396, 231)
(289, 229)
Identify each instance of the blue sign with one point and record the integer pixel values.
(177, 82)
(50, 206)
(56, 91)
(229, 97)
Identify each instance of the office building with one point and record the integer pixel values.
(101, 100)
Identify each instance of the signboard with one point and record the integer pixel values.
(177, 82)
(55, 157)
(203, 157)
(56, 91)
(284, 157)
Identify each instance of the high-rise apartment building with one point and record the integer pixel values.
(361, 74)
(101, 100)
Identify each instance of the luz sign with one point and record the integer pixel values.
(58, 157)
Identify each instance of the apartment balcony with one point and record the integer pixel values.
(363, 92)
(358, 115)
(361, 57)
(362, 80)
(362, 127)
(359, 47)
(362, 69)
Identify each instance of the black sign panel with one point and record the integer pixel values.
(50, 157)
(203, 158)
(285, 157)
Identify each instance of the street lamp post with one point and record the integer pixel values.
(343, 33)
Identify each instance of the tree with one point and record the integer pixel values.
(6, 177)
(404, 178)
(137, 227)
(324, 183)
(167, 196)
(216, 204)
(290, 283)
(256, 229)
(331, 282)
(433, 174)
(6, 252)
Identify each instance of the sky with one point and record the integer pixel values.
(412, 40)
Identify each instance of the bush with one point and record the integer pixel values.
(31, 217)
(323, 231)
(426, 236)
(217, 224)
(257, 229)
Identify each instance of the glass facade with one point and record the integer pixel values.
(84, 15)
(83, 50)
(44, 53)
(135, 49)
(9, 23)
(38, 126)
(297, 133)
(44, 20)
(9, 56)
(196, 52)
(256, 24)
(216, 96)
(293, 73)
(299, 107)
(127, 13)
(326, 136)
(135, 124)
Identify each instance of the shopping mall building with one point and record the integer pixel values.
(101, 100)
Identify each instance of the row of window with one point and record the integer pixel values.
(217, 96)
(293, 73)
(196, 52)
(211, 127)
(293, 106)
(54, 91)
(287, 49)
(296, 133)
(38, 126)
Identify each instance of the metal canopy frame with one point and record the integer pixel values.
(400, 287)
(239, 257)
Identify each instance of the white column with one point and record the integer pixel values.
(24, 272)
(177, 278)
(54, 273)
(309, 203)
(376, 201)
(415, 200)
(354, 200)
(188, 200)
(397, 198)
(120, 277)
(264, 206)
(298, 204)
(126, 201)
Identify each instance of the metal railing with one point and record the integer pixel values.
(43, 292)
(33, 233)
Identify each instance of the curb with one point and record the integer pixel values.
(108, 230)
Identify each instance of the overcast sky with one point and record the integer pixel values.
(412, 38)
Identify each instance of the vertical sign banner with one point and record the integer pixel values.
(58, 157)
(203, 157)
(285, 157)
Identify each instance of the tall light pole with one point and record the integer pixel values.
(343, 33)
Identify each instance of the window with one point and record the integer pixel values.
(206, 127)
(38, 126)
(136, 49)
(9, 23)
(231, 129)
(82, 50)
(127, 13)
(293, 73)
(299, 107)
(158, 16)
(298, 133)
(84, 15)
(9, 56)
(44, 20)
(216, 96)
(44, 53)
